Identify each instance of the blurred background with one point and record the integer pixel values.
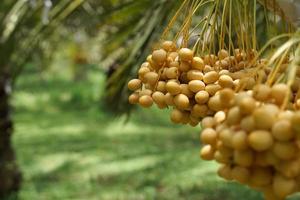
(66, 130)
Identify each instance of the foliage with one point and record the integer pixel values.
(22, 29)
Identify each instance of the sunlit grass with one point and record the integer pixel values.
(69, 149)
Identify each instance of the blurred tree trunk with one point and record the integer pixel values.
(21, 33)
(10, 175)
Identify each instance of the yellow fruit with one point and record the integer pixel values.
(279, 92)
(226, 137)
(219, 117)
(209, 136)
(240, 174)
(184, 66)
(172, 73)
(153, 65)
(134, 84)
(143, 70)
(159, 56)
(163, 74)
(151, 78)
(285, 150)
(224, 72)
(282, 130)
(236, 84)
(146, 65)
(169, 99)
(226, 95)
(289, 169)
(181, 101)
(158, 98)
(248, 123)
(260, 159)
(262, 75)
(186, 54)
(133, 98)
(210, 77)
(145, 92)
(225, 63)
(149, 59)
(223, 54)
(270, 195)
(224, 171)
(297, 104)
(214, 103)
(247, 105)
(174, 64)
(221, 158)
(240, 96)
(173, 55)
(199, 110)
(210, 59)
(247, 82)
(244, 158)
(148, 86)
(238, 74)
(208, 122)
(271, 158)
(225, 81)
(263, 118)
(283, 187)
(272, 108)
(145, 101)
(169, 46)
(162, 106)
(296, 84)
(186, 118)
(176, 116)
(194, 121)
(197, 63)
(173, 87)
(296, 122)
(207, 68)
(220, 127)
(262, 92)
(285, 115)
(212, 89)
(196, 86)
(260, 140)
(201, 97)
(233, 116)
(195, 75)
(161, 86)
(186, 91)
(239, 140)
(207, 152)
(225, 151)
(261, 176)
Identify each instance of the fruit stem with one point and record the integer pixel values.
(292, 74)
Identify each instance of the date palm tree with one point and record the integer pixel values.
(21, 29)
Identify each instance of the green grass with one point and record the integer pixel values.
(69, 148)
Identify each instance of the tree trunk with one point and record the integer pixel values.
(10, 176)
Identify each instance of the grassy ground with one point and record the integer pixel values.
(69, 148)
